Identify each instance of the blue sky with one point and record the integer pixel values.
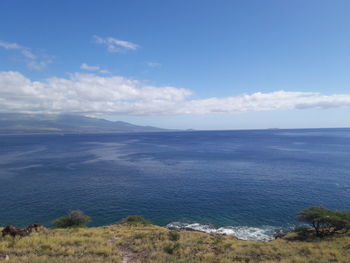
(179, 64)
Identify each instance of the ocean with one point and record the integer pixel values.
(244, 183)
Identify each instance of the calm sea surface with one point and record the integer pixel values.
(247, 182)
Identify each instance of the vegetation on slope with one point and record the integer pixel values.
(135, 239)
(148, 243)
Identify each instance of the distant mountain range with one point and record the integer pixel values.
(15, 123)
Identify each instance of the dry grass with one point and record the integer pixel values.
(122, 243)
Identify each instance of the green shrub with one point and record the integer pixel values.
(171, 248)
(135, 220)
(174, 235)
(75, 218)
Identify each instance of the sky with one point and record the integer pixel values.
(194, 64)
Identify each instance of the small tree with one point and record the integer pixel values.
(325, 221)
(75, 218)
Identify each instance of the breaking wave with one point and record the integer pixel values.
(265, 233)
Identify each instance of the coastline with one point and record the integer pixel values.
(154, 244)
(247, 233)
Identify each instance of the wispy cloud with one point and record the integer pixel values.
(8, 45)
(33, 61)
(28, 54)
(153, 64)
(39, 64)
(92, 94)
(87, 67)
(116, 45)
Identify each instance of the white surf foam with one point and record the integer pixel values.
(265, 233)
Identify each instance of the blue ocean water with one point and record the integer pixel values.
(240, 180)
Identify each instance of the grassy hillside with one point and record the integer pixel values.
(124, 243)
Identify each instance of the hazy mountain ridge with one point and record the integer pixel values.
(16, 123)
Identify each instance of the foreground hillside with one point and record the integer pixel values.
(124, 243)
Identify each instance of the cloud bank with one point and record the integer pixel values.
(33, 61)
(91, 94)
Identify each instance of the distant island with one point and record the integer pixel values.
(17, 123)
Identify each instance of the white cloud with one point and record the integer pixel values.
(33, 61)
(92, 94)
(104, 71)
(153, 64)
(28, 54)
(38, 64)
(8, 45)
(116, 45)
(85, 93)
(87, 67)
